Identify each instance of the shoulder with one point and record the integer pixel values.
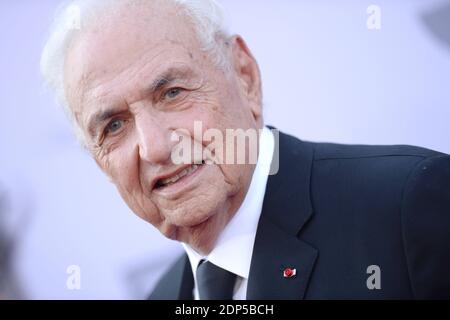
(413, 183)
(426, 227)
(324, 151)
(377, 164)
(380, 164)
(333, 151)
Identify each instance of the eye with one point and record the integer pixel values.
(114, 126)
(172, 93)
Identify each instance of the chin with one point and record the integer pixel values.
(169, 231)
(203, 237)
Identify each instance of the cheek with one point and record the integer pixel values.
(217, 109)
(122, 165)
(131, 192)
(235, 175)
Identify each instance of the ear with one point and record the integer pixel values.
(247, 71)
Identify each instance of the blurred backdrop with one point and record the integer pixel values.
(327, 77)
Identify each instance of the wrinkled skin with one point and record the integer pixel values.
(110, 69)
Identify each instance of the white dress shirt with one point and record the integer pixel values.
(234, 247)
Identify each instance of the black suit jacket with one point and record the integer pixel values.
(334, 210)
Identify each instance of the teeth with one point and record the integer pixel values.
(178, 176)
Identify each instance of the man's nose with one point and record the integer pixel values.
(153, 140)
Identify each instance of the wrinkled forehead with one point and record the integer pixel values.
(125, 40)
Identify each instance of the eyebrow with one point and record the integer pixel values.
(160, 81)
(168, 76)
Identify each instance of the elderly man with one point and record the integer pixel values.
(335, 221)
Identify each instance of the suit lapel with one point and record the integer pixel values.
(177, 283)
(286, 209)
(184, 283)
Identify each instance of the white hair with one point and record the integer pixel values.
(206, 15)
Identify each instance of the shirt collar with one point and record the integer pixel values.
(234, 247)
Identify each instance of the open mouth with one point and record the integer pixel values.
(163, 183)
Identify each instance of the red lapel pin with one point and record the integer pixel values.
(289, 272)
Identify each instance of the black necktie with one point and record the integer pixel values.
(214, 283)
